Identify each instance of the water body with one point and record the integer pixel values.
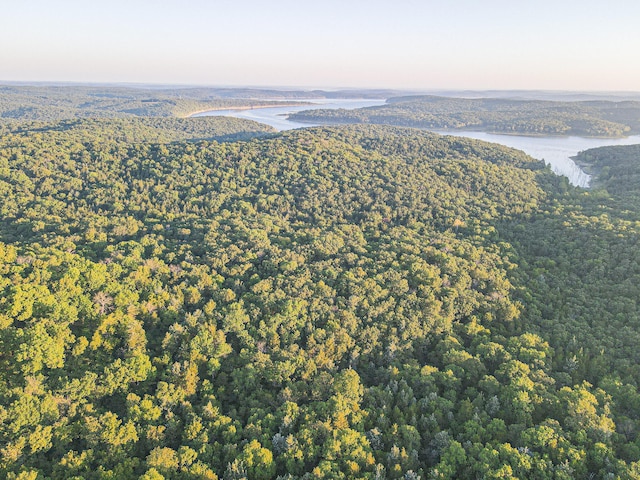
(555, 151)
(277, 116)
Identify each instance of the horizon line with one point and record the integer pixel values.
(310, 88)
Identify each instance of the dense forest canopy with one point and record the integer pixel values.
(128, 130)
(499, 115)
(616, 169)
(51, 103)
(181, 300)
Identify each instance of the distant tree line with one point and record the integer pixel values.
(527, 117)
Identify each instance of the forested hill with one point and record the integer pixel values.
(50, 103)
(129, 130)
(530, 117)
(345, 302)
(617, 169)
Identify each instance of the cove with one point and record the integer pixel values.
(277, 116)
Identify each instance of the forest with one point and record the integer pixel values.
(594, 118)
(50, 103)
(206, 298)
(65, 102)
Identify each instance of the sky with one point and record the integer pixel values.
(404, 44)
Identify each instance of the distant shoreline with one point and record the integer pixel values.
(536, 134)
(249, 107)
(449, 131)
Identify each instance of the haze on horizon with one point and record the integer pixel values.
(465, 44)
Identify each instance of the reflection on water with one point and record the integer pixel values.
(555, 151)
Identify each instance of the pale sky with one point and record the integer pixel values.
(427, 44)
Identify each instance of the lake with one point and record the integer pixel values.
(277, 116)
(555, 151)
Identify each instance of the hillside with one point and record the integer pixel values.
(50, 103)
(497, 115)
(617, 170)
(128, 130)
(339, 302)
